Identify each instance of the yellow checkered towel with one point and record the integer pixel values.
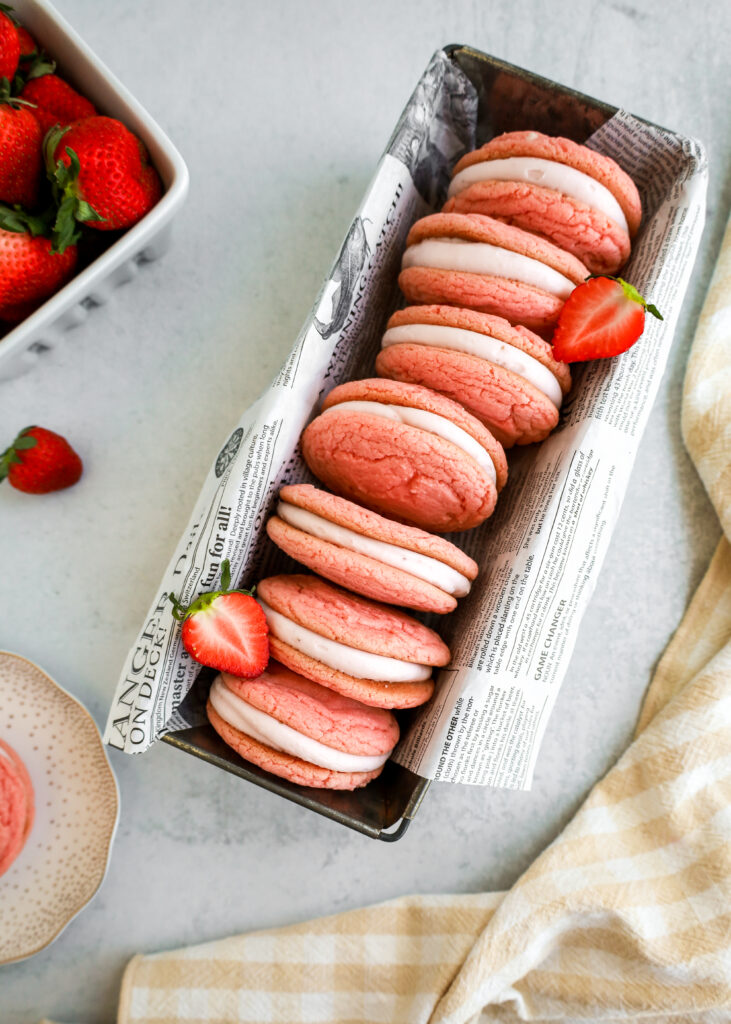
(627, 915)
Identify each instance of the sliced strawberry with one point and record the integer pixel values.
(602, 317)
(225, 629)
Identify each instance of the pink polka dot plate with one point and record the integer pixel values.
(65, 857)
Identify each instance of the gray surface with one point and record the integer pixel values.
(281, 110)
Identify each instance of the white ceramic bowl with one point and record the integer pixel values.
(148, 239)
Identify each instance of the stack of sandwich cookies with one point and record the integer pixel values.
(408, 453)
(17, 805)
(369, 554)
(301, 731)
(371, 652)
(579, 199)
(504, 375)
(461, 374)
(477, 262)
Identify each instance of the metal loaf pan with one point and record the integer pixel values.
(510, 99)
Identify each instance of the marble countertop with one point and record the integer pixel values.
(281, 111)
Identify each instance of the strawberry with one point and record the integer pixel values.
(56, 102)
(225, 629)
(9, 46)
(21, 157)
(15, 313)
(601, 317)
(39, 461)
(101, 173)
(30, 269)
(28, 47)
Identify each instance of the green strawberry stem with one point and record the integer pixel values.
(10, 455)
(15, 218)
(41, 64)
(632, 294)
(181, 612)
(71, 208)
(6, 94)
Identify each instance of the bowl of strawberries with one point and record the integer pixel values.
(89, 183)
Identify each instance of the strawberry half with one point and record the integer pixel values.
(39, 461)
(225, 629)
(601, 317)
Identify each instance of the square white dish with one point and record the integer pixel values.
(148, 239)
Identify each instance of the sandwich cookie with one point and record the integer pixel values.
(17, 805)
(301, 731)
(599, 242)
(505, 376)
(558, 164)
(406, 452)
(366, 553)
(368, 651)
(581, 200)
(477, 262)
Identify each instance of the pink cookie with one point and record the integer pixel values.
(406, 452)
(476, 262)
(364, 650)
(301, 731)
(16, 805)
(505, 376)
(590, 235)
(364, 552)
(601, 170)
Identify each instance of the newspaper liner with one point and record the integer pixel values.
(542, 550)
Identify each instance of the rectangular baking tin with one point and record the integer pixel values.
(385, 808)
(148, 239)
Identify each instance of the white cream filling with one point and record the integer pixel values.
(426, 568)
(273, 733)
(475, 344)
(429, 421)
(547, 173)
(483, 258)
(361, 664)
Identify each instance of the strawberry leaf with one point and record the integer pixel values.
(85, 212)
(65, 231)
(6, 460)
(15, 218)
(42, 65)
(50, 144)
(9, 456)
(72, 209)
